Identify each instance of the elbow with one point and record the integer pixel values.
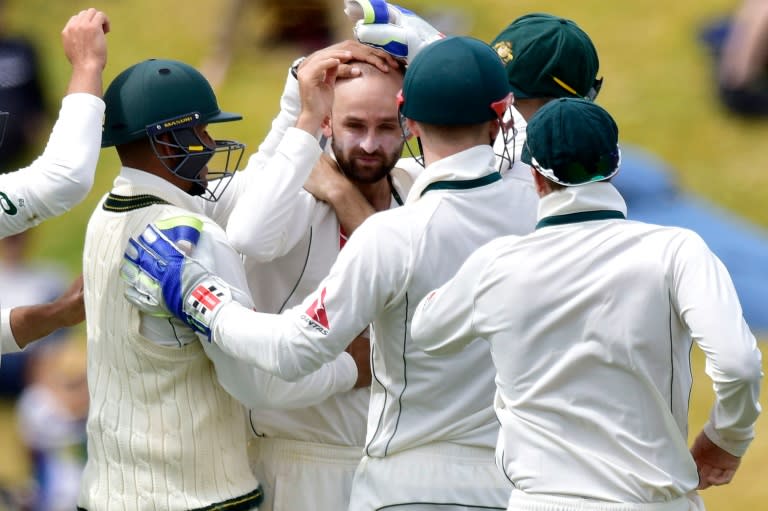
(247, 241)
(746, 368)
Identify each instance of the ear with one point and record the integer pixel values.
(541, 183)
(326, 127)
(413, 127)
(493, 128)
(165, 148)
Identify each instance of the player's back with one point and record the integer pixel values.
(416, 398)
(594, 371)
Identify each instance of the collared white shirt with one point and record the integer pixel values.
(590, 320)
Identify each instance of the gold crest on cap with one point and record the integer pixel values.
(504, 51)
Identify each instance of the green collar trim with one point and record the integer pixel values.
(123, 203)
(465, 184)
(581, 216)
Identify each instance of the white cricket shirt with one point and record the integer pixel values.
(62, 176)
(590, 320)
(290, 241)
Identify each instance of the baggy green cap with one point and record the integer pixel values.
(455, 81)
(572, 142)
(548, 57)
(156, 90)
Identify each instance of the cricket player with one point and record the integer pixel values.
(306, 458)
(590, 320)
(166, 427)
(545, 56)
(61, 177)
(431, 428)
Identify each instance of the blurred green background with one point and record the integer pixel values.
(658, 86)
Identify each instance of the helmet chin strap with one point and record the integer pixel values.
(406, 140)
(507, 157)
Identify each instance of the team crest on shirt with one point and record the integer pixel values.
(504, 51)
(316, 315)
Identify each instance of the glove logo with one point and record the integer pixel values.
(205, 298)
(317, 316)
(504, 51)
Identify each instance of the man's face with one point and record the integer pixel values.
(367, 140)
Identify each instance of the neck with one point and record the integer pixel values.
(528, 107)
(378, 194)
(435, 154)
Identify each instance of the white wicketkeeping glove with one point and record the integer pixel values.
(163, 281)
(390, 27)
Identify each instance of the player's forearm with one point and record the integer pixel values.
(64, 173)
(7, 342)
(350, 206)
(256, 388)
(86, 78)
(270, 342)
(32, 322)
(737, 407)
(263, 223)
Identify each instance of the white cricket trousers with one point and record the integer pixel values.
(303, 476)
(521, 501)
(435, 477)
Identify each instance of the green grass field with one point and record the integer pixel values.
(657, 85)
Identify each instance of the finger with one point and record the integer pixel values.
(101, 19)
(348, 71)
(330, 74)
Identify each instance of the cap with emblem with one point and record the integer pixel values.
(548, 57)
(455, 81)
(572, 142)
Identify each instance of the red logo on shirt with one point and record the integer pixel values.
(317, 313)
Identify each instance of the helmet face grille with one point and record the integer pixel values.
(186, 156)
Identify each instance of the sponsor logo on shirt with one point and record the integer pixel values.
(316, 315)
(9, 208)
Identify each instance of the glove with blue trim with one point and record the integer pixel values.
(396, 30)
(163, 281)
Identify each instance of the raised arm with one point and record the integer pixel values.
(63, 175)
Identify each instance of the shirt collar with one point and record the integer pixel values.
(471, 163)
(575, 199)
(133, 181)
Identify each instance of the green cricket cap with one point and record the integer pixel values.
(455, 81)
(572, 142)
(154, 91)
(548, 57)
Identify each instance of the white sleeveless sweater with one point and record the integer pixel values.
(162, 433)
